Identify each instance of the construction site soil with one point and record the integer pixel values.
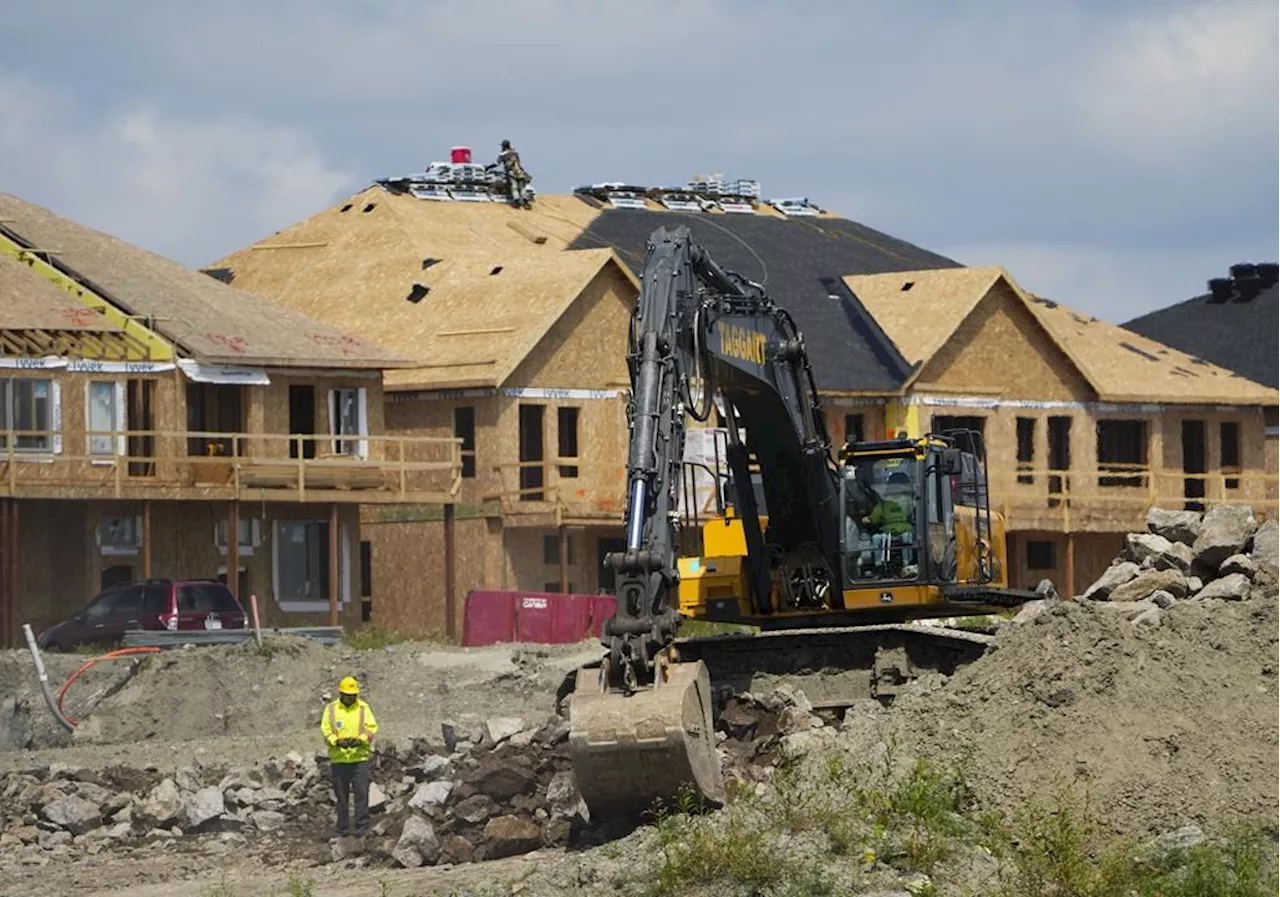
(1167, 720)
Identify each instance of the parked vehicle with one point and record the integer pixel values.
(153, 604)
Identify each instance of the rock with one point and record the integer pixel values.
(268, 820)
(1131, 609)
(509, 835)
(417, 845)
(556, 832)
(431, 794)
(1266, 547)
(1176, 526)
(1149, 617)
(554, 731)
(1148, 582)
(1031, 610)
(502, 779)
(1179, 839)
(120, 831)
(500, 728)
(186, 779)
(28, 834)
(50, 840)
(433, 767)
(1224, 531)
(1194, 584)
(523, 738)
(784, 696)
(1161, 599)
(562, 794)
(100, 796)
(1239, 563)
(1115, 576)
(455, 733)
(457, 849)
(377, 798)
(1138, 547)
(203, 807)
(343, 849)
(162, 805)
(1229, 588)
(475, 809)
(73, 813)
(793, 720)
(1177, 557)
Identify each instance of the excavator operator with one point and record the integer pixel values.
(892, 519)
(517, 177)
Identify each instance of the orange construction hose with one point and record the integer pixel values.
(110, 655)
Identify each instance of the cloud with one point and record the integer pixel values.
(1119, 135)
(185, 187)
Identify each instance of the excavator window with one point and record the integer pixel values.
(881, 498)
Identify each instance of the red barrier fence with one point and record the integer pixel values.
(541, 617)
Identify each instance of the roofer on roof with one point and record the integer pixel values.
(517, 177)
(348, 727)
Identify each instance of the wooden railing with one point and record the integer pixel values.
(207, 464)
(539, 487)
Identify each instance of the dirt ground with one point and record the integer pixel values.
(1164, 724)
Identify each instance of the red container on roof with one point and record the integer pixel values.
(539, 617)
(460, 155)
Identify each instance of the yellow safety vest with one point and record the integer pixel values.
(356, 721)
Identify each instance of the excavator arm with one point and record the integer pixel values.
(697, 332)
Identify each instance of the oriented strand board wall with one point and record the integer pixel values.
(1001, 349)
(269, 408)
(1092, 553)
(408, 570)
(409, 415)
(53, 576)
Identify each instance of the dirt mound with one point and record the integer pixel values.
(1165, 723)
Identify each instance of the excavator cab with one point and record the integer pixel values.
(916, 520)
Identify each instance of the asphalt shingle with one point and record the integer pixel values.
(1239, 336)
(800, 262)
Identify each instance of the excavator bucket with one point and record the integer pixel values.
(629, 751)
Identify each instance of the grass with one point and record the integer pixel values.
(371, 638)
(707, 628)
(818, 829)
(300, 888)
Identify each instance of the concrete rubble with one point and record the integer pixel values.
(1221, 555)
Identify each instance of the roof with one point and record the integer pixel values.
(29, 301)
(1239, 336)
(800, 262)
(371, 248)
(1119, 365)
(463, 311)
(207, 319)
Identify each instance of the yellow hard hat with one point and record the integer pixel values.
(349, 686)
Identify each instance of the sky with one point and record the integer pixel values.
(1112, 156)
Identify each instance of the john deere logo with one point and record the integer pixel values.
(739, 342)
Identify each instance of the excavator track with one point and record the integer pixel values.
(633, 751)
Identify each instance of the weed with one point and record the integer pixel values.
(371, 638)
(709, 628)
(299, 888)
(220, 890)
(283, 646)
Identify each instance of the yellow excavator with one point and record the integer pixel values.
(826, 562)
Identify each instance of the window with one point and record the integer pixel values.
(567, 432)
(29, 408)
(1229, 435)
(206, 597)
(554, 588)
(214, 408)
(155, 599)
(965, 441)
(853, 428)
(1122, 452)
(464, 428)
(348, 416)
(1041, 555)
(300, 566)
(366, 569)
(1026, 448)
(119, 535)
(105, 415)
(531, 452)
(248, 535)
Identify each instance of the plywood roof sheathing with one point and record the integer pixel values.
(210, 320)
(922, 310)
(29, 301)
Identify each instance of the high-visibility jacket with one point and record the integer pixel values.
(355, 721)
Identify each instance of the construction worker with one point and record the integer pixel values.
(517, 177)
(348, 726)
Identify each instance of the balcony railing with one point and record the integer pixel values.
(541, 488)
(268, 466)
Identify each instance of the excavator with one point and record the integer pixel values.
(826, 563)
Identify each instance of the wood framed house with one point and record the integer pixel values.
(155, 423)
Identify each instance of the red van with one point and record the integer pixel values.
(153, 604)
